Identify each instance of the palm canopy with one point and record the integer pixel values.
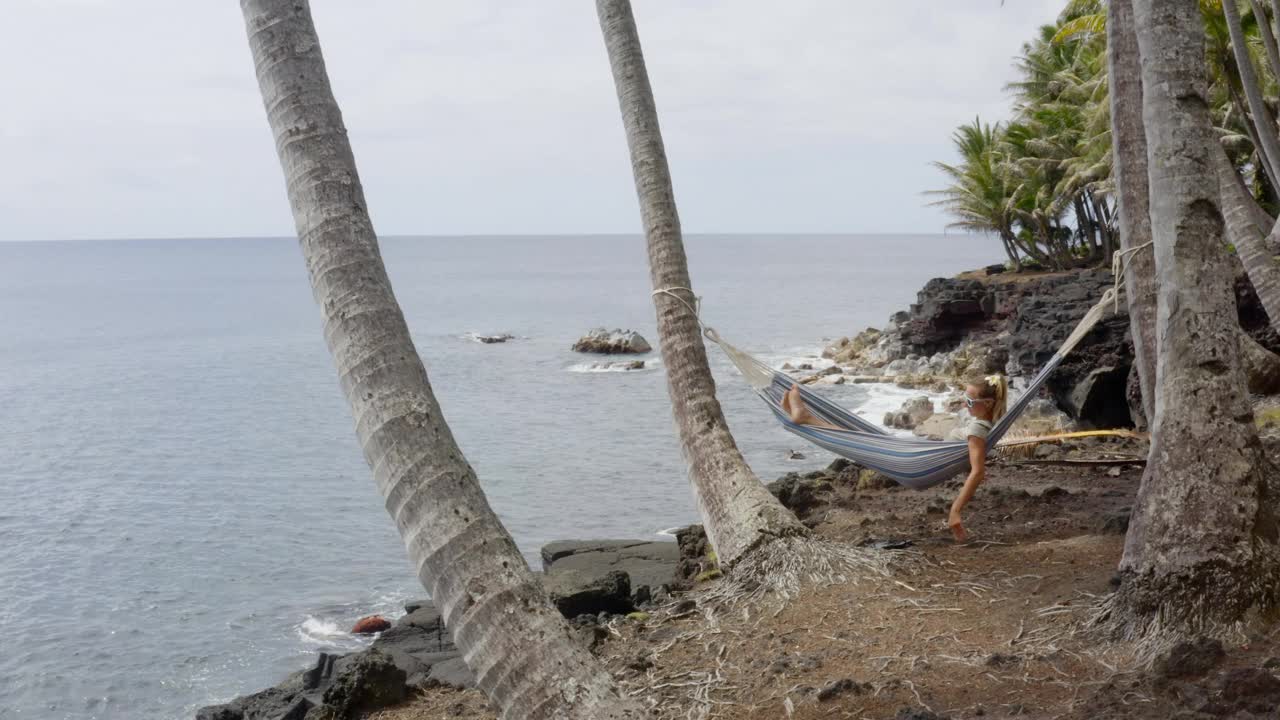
(1042, 180)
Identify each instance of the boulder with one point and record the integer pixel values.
(577, 592)
(800, 495)
(270, 703)
(493, 339)
(612, 342)
(645, 562)
(912, 413)
(369, 682)
(937, 426)
(370, 625)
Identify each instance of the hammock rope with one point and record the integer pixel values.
(914, 462)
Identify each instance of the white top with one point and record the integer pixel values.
(976, 427)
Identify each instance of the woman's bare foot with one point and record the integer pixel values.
(794, 405)
(957, 528)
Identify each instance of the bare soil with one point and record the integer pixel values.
(987, 629)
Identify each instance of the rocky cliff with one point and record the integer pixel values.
(989, 321)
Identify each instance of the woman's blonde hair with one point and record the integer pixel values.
(996, 389)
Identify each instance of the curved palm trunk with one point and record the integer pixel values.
(518, 645)
(1201, 549)
(738, 511)
(1258, 263)
(1263, 124)
(1268, 37)
(1129, 147)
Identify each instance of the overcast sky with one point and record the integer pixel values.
(141, 118)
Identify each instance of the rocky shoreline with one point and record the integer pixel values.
(981, 322)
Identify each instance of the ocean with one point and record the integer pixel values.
(185, 514)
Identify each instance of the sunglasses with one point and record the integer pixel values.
(970, 402)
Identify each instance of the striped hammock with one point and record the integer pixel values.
(914, 462)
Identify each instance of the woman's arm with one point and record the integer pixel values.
(977, 473)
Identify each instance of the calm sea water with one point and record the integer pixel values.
(184, 512)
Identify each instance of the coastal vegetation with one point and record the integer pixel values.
(1043, 179)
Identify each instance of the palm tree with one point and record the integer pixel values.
(1129, 148)
(518, 644)
(1201, 549)
(978, 196)
(739, 513)
(1249, 241)
(1263, 124)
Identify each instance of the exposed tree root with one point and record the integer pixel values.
(781, 568)
(1147, 623)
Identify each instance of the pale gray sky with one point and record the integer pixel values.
(141, 118)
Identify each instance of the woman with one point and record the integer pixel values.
(986, 398)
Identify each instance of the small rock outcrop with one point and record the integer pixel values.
(589, 577)
(612, 342)
(577, 593)
(416, 652)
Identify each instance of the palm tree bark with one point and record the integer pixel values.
(1263, 124)
(519, 646)
(1259, 264)
(739, 513)
(1129, 148)
(1201, 548)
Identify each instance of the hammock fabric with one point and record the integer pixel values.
(914, 462)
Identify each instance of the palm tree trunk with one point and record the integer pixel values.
(1129, 148)
(1201, 548)
(1247, 122)
(1085, 225)
(1099, 206)
(1259, 264)
(1011, 251)
(739, 513)
(1268, 37)
(1263, 124)
(519, 646)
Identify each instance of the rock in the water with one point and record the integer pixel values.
(795, 455)
(645, 562)
(276, 702)
(370, 682)
(576, 592)
(493, 339)
(600, 340)
(912, 413)
(618, 366)
(370, 625)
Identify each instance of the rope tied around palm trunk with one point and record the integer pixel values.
(695, 309)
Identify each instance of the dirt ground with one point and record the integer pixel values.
(987, 629)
